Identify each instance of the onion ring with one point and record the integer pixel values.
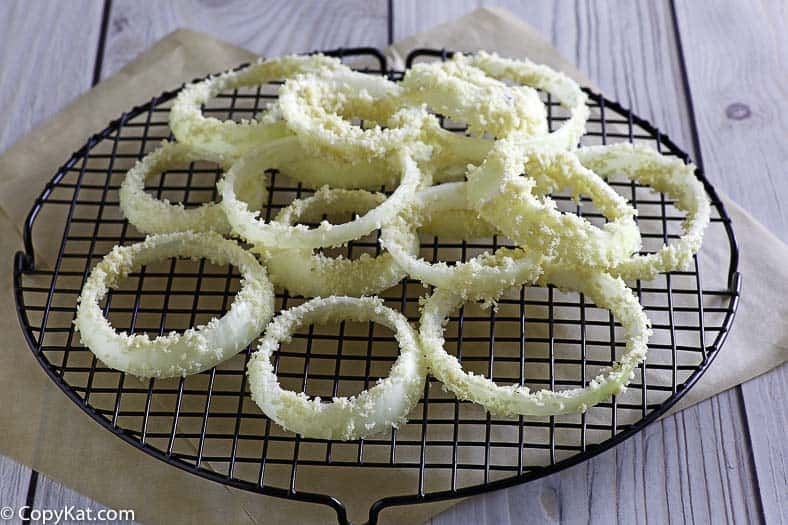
(454, 152)
(565, 90)
(664, 174)
(272, 155)
(372, 411)
(315, 108)
(473, 150)
(312, 275)
(604, 290)
(533, 221)
(484, 276)
(196, 349)
(464, 93)
(150, 215)
(229, 139)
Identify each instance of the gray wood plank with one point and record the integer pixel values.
(271, 27)
(737, 86)
(738, 70)
(767, 418)
(694, 466)
(412, 16)
(46, 60)
(52, 495)
(688, 468)
(627, 48)
(14, 481)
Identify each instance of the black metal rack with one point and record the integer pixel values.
(207, 425)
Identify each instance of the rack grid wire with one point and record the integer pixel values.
(208, 425)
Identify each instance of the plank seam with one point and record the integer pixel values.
(756, 480)
(693, 124)
(31, 495)
(102, 42)
(390, 22)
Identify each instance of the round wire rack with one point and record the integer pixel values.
(207, 424)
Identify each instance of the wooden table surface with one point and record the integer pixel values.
(723, 460)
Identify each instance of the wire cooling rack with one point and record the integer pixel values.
(208, 425)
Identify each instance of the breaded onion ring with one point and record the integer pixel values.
(372, 411)
(315, 274)
(482, 277)
(464, 93)
(517, 206)
(316, 108)
(150, 215)
(664, 174)
(452, 152)
(229, 139)
(272, 155)
(196, 349)
(605, 291)
(559, 86)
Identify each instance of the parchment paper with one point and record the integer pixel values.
(43, 429)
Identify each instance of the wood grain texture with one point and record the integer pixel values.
(692, 467)
(767, 418)
(53, 495)
(741, 105)
(46, 60)
(271, 27)
(627, 48)
(14, 481)
(738, 73)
